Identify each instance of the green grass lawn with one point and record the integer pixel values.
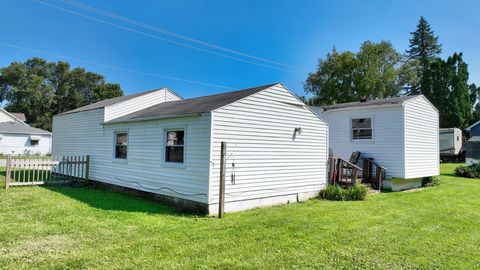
(59, 228)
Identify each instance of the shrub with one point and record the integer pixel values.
(357, 192)
(430, 181)
(470, 171)
(332, 192)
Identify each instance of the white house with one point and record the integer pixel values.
(158, 143)
(19, 138)
(400, 134)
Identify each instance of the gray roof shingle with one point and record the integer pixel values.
(372, 102)
(17, 127)
(192, 106)
(108, 102)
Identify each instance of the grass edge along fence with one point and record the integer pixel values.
(46, 170)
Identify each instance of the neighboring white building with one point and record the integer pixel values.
(18, 138)
(400, 133)
(159, 143)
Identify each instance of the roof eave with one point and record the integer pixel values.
(143, 119)
(361, 107)
(18, 132)
(470, 127)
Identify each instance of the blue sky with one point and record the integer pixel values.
(289, 37)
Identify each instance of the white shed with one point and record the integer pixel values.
(19, 138)
(400, 133)
(161, 144)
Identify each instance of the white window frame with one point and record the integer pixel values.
(123, 160)
(166, 163)
(372, 127)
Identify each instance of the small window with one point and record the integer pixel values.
(362, 129)
(121, 145)
(33, 142)
(174, 146)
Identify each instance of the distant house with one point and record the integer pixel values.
(474, 129)
(472, 146)
(19, 138)
(400, 133)
(161, 144)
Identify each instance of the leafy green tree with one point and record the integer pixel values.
(343, 77)
(408, 74)
(334, 80)
(445, 84)
(424, 48)
(41, 89)
(377, 73)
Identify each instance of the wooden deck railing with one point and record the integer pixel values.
(343, 172)
(373, 176)
(38, 171)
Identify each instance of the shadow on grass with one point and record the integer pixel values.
(114, 201)
(449, 174)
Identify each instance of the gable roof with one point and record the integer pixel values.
(111, 101)
(188, 107)
(19, 127)
(372, 102)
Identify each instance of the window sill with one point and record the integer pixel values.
(120, 160)
(173, 165)
(362, 140)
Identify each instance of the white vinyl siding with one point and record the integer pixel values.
(143, 169)
(271, 161)
(20, 144)
(4, 117)
(138, 103)
(386, 147)
(421, 138)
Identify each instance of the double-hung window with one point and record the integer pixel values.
(121, 145)
(362, 129)
(175, 146)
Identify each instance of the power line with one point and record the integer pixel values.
(170, 33)
(116, 67)
(157, 37)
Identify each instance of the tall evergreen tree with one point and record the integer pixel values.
(424, 48)
(424, 44)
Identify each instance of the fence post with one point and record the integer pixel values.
(87, 168)
(223, 161)
(7, 171)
